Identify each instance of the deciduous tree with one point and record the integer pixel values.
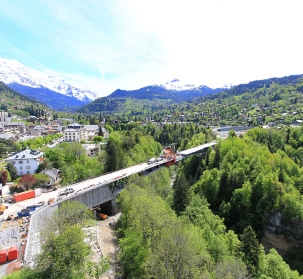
(3, 177)
(27, 181)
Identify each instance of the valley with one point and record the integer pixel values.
(242, 184)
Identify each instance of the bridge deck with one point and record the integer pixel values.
(193, 150)
(90, 192)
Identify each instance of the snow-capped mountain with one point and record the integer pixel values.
(178, 85)
(174, 90)
(14, 74)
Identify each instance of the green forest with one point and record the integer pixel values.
(207, 217)
(212, 222)
(217, 205)
(127, 145)
(15, 103)
(255, 103)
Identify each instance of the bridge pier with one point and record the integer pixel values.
(109, 208)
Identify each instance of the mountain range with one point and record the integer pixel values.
(49, 90)
(174, 90)
(59, 95)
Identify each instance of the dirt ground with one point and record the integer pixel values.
(109, 247)
(271, 241)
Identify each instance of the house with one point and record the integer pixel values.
(296, 123)
(26, 161)
(53, 174)
(38, 131)
(9, 136)
(33, 119)
(91, 149)
(18, 127)
(3, 116)
(91, 131)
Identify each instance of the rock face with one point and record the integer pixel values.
(282, 234)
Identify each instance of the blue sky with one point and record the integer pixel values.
(128, 44)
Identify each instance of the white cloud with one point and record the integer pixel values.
(134, 43)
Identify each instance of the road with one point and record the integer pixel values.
(94, 182)
(98, 181)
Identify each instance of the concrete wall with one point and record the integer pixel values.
(93, 196)
(38, 221)
(90, 197)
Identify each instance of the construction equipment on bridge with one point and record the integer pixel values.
(2, 208)
(169, 154)
(50, 200)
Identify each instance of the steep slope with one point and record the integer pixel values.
(253, 86)
(15, 103)
(54, 100)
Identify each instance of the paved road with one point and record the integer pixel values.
(101, 180)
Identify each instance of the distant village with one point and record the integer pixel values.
(27, 161)
(265, 116)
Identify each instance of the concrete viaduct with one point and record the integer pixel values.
(93, 192)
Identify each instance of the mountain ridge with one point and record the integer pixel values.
(34, 84)
(160, 92)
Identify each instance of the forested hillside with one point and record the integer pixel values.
(156, 243)
(15, 103)
(275, 101)
(207, 217)
(214, 220)
(126, 106)
(147, 98)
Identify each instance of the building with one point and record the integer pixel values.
(3, 116)
(38, 131)
(91, 149)
(53, 174)
(101, 127)
(91, 131)
(14, 127)
(33, 119)
(26, 161)
(9, 136)
(77, 132)
(74, 132)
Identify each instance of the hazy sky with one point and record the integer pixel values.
(128, 44)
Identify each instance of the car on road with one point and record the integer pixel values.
(66, 191)
(70, 190)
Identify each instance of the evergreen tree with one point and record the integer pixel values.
(216, 163)
(12, 170)
(114, 157)
(100, 133)
(209, 150)
(181, 196)
(249, 249)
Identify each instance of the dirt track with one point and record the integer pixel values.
(109, 247)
